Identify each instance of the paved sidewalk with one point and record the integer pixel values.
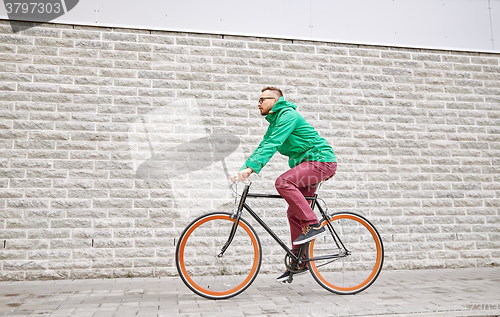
(460, 292)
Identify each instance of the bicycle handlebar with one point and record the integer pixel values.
(236, 180)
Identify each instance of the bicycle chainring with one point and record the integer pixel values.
(292, 265)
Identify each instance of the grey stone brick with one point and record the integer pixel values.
(264, 46)
(49, 193)
(66, 204)
(112, 243)
(70, 223)
(192, 41)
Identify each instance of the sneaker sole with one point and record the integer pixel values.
(284, 279)
(310, 238)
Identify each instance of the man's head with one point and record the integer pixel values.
(268, 98)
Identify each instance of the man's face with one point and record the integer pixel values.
(266, 102)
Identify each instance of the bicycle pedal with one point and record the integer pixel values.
(290, 279)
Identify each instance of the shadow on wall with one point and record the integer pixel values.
(175, 140)
(188, 157)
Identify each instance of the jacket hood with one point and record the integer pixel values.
(278, 106)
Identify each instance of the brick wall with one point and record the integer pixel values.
(113, 140)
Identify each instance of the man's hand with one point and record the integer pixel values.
(243, 174)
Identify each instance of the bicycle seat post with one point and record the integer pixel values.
(315, 196)
(319, 187)
(321, 184)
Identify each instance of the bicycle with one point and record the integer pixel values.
(219, 254)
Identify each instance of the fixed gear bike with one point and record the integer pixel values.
(219, 254)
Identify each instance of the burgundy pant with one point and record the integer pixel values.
(298, 182)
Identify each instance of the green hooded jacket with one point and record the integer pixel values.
(291, 135)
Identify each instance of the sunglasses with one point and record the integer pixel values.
(261, 100)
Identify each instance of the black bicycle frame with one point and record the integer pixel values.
(242, 205)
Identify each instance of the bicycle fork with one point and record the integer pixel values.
(230, 238)
(236, 216)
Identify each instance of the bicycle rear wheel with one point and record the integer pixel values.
(199, 264)
(355, 270)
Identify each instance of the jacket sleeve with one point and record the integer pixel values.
(284, 126)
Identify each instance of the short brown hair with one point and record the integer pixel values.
(277, 91)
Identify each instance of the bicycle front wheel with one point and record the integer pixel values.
(203, 270)
(354, 268)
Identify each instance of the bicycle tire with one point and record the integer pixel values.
(356, 272)
(199, 265)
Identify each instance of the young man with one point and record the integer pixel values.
(311, 159)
